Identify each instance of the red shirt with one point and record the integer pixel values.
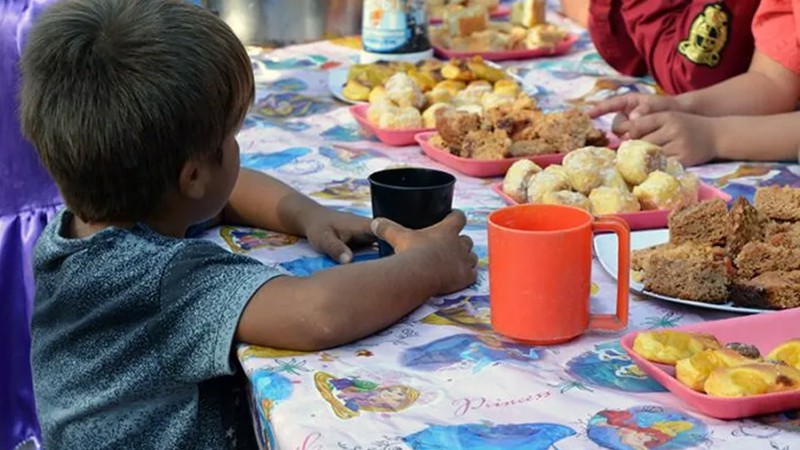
(684, 44)
(775, 29)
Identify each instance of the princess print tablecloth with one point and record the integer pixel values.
(441, 379)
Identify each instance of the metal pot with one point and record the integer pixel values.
(283, 22)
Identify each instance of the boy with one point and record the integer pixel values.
(748, 117)
(685, 45)
(133, 106)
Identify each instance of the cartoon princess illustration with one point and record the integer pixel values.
(350, 396)
(471, 313)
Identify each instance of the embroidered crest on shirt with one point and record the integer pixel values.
(707, 36)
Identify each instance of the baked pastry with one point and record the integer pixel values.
(609, 200)
(528, 13)
(569, 130)
(671, 346)
(507, 87)
(515, 184)
(453, 125)
(769, 290)
(528, 148)
(688, 271)
(379, 108)
(695, 370)
(544, 36)
(378, 95)
(637, 159)
(745, 224)
(756, 258)
(473, 93)
(779, 203)
(485, 145)
(751, 379)
(403, 91)
(430, 114)
(786, 234)
(567, 198)
(584, 167)
(659, 191)
(704, 223)
(400, 118)
(746, 350)
(493, 99)
(613, 179)
(551, 179)
(640, 258)
(463, 22)
(788, 352)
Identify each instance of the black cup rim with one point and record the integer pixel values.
(451, 179)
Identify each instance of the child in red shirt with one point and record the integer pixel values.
(688, 45)
(749, 117)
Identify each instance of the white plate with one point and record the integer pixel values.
(605, 247)
(337, 78)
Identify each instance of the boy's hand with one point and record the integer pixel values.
(690, 138)
(448, 254)
(631, 107)
(334, 233)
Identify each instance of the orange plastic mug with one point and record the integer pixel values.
(540, 264)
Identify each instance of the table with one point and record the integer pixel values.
(441, 379)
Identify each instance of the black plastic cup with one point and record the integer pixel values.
(414, 198)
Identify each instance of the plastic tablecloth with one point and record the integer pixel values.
(441, 378)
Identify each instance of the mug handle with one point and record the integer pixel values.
(618, 321)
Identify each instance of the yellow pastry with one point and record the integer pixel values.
(507, 87)
(567, 198)
(400, 118)
(584, 167)
(429, 116)
(694, 371)
(451, 86)
(788, 352)
(670, 346)
(378, 95)
(637, 159)
(378, 109)
(403, 91)
(659, 191)
(752, 379)
(515, 183)
(551, 179)
(613, 179)
(493, 99)
(609, 200)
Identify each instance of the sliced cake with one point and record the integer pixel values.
(779, 203)
(745, 224)
(756, 258)
(688, 271)
(770, 290)
(701, 223)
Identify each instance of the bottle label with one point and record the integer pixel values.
(395, 26)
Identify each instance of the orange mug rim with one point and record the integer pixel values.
(589, 219)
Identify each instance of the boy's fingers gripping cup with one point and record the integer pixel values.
(414, 198)
(540, 265)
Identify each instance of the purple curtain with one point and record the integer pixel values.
(28, 199)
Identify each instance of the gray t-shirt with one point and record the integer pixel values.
(133, 337)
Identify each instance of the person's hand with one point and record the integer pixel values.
(631, 107)
(690, 138)
(448, 254)
(335, 233)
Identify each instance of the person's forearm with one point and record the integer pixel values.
(767, 88)
(259, 200)
(577, 10)
(747, 94)
(337, 306)
(766, 138)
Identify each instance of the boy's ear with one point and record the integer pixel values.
(193, 180)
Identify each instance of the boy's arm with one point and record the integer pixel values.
(340, 305)
(764, 138)
(577, 10)
(689, 44)
(261, 201)
(767, 88)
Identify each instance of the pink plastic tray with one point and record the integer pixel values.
(501, 11)
(765, 331)
(560, 48)
(486, 169)
(642, 220)
(397, 138)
